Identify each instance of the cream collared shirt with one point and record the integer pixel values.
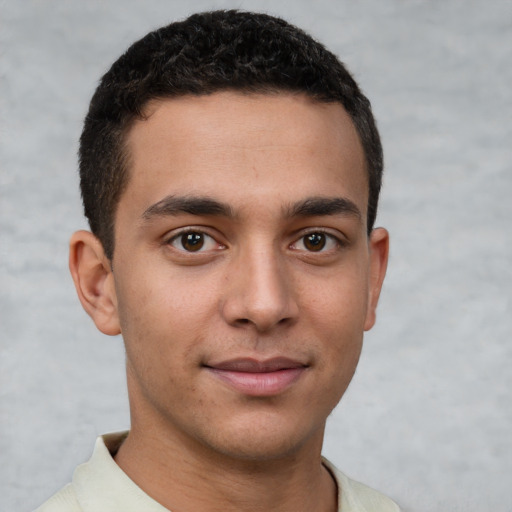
(100, 485)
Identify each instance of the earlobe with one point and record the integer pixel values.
(379, 251)
(94, 281)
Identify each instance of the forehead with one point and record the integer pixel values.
(267, 143)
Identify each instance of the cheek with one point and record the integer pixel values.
(337, 317)
(160, 330)
(166, 313)
(340, 303)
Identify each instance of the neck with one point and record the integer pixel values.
(184, 476)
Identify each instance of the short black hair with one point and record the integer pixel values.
(209, 52)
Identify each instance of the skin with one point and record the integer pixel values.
(256, 290)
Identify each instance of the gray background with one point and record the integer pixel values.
(428, 417)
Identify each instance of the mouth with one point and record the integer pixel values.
(258, 377)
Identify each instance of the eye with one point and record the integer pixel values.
(316, 241)
(193, 241)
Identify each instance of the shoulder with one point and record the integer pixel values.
(100, 465)
(354, 496)
(370, 499)
(64, 501)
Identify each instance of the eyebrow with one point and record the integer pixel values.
(321, 206)
(176, 205)
(198, 205)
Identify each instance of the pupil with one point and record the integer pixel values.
(192, 241)
(315, 241)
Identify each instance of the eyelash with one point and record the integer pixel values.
(191, 231)
(327, 238)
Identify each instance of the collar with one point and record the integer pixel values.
(100, 484)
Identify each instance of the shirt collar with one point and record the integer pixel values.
(100, 484)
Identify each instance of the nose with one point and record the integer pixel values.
(260, 291)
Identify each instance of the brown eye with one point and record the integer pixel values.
(192, 241)
(315, 241)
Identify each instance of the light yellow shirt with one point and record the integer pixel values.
(100, 485)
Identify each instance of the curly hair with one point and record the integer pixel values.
(206, 53)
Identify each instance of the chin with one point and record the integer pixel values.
(261, 440)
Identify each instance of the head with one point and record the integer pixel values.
(207, 53)
(236, 165)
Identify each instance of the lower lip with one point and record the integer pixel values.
(260, 384)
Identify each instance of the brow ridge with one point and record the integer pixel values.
(322, 206)
(193, 205)
(202, 205)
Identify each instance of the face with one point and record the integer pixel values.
(244, 277)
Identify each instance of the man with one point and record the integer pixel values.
(230, 171)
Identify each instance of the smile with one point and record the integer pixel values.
(258, 378)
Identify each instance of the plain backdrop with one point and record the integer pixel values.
(428, 417)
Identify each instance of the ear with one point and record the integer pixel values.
(94, 281)
(379, 250)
